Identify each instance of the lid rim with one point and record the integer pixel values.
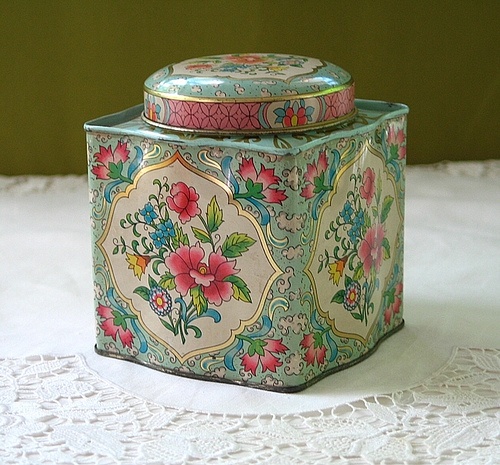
(344, 119)
(278, 98)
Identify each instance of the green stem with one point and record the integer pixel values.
(245, 195)
(125, 178)
(205, 225)
(244, 338)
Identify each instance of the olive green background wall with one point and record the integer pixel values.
(65, 62)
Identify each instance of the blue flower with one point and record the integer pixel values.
(358, 222)
(148, 213)
(162, 232)
(347, 212)
(359, 219)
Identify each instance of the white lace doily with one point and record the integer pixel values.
(56, 410)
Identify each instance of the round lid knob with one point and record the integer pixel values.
(249, 93)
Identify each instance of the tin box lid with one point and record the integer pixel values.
(249, 93)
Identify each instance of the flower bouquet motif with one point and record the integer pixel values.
(203, 272)
(361, 245)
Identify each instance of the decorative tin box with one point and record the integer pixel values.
(248, 221)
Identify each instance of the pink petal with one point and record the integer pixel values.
(184, 282)
(274, 195)
(201, 279)
(322, 162)
(311, 173)
(105, 312)
(250, 363)
(101, 171)
(275, 345)
(267, 177)
(307, 341)
(105, 155)
(247, 169)
(126, 337)
(109, 328)
(269, 362)
(220, 266)
(121, 152)
(308, 191)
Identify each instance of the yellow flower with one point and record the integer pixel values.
(336, 270)
(138, 263)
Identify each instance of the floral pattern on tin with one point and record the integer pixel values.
(247, 64)
(358, 255)
(197, 263)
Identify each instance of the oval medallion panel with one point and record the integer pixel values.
(354, 249)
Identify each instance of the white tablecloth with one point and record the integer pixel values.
(452, 299)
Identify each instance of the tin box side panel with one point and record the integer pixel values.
(278, 205)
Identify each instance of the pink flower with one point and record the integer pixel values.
(190, 271)
(396, 142)
(113, 324)
(315, 176)
(292, 115)
(199, 67)
(367, 190)
(370, 249)
(184, 201)
(261, 182)
(245, 59)
(261, 352)
(110, 162)
(395, 306)
(315, 349)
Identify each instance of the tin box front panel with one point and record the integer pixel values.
(247, 267)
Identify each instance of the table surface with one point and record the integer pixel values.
(451, 297)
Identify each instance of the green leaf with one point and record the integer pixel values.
(118, 319)
(393, 150)
(201, 235)
(167, 281)
(179, 238)
(214, 215)
(390, 295)
(386, 207)
(319, 183)
(169, 327)
(115, 170)
(236, 244)
(368, 221)
(358, 272)
(240, 288)
(386, 248)
(199, 300)
(142, 292)
(257, 347)
(357, 316)
(318, 340)
(152, 283)
(347, 280)
(196, 330)
(338, 298)
(254, 189)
